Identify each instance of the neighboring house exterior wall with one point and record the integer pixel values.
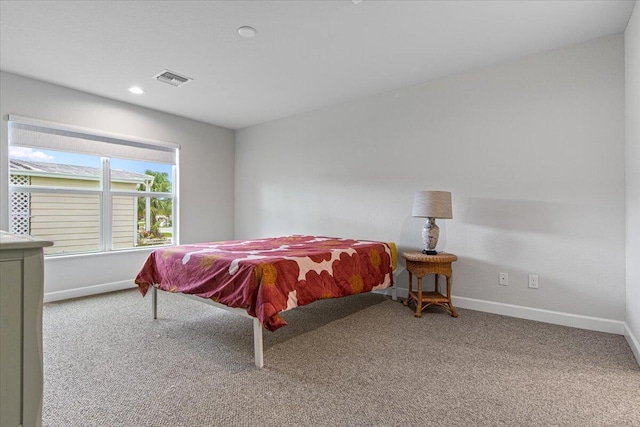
(72, 221)
(125, 221)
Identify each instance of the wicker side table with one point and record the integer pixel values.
(422, 265)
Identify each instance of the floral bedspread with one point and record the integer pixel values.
(268, 276)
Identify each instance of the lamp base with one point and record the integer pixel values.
(430, 234)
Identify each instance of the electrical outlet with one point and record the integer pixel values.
(533, 281)
(504, 279)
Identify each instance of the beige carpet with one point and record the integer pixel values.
(357, 361)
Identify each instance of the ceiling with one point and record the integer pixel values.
(306, 55)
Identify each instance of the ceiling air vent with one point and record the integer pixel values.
(172, 78)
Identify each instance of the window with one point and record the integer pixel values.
(88, 191)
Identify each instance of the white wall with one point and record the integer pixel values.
(205, 181)
(632, 73)
(532, 150)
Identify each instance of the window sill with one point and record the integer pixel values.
(146, 249)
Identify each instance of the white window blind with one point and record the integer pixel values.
(33, 133)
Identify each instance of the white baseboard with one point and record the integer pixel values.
(633, 342)
(547, 316)
(88, 290)
(540, 315)
(390, 292)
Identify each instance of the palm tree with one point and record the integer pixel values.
(157, 206)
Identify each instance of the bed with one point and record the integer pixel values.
(262, 278)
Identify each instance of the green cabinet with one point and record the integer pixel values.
(21, 294)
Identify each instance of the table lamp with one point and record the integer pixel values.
(431, 205)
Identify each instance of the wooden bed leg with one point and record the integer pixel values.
(154, 302)
(257, 343)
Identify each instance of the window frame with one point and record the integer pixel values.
(104, 192)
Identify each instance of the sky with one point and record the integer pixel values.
(48, 156)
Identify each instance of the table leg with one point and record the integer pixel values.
(406, 302)
(436, 288)
(454, 313)
(419, 302)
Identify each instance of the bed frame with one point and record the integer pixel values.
(257, 327)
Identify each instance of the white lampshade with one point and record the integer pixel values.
(432, 204)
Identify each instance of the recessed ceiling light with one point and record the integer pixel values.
(137, 90)
(247, 32)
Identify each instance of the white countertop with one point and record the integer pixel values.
(14, 241)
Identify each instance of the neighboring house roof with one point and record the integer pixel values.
(56, 170)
